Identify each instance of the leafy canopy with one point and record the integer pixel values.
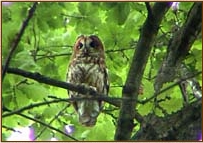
(46, 47)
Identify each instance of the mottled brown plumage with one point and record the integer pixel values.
(87, 67)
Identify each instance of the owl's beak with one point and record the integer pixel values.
(86, 51)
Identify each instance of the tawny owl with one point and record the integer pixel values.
(87, 67)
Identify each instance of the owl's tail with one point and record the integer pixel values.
(88, 111)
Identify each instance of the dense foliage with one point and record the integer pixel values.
(46, 46)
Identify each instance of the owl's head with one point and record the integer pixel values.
(88, 46)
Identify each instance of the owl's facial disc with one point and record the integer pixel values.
(88, 47)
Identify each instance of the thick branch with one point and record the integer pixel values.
(179, 46)
(18, 38)
(78, 88)
(182, 125)
(131, 88)
(43, 79)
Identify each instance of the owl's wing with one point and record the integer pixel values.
(105, 90)
(74, 76)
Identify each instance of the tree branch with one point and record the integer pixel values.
(31, 106)
(182, 125)
(56, 100)
(111, 100)
(18, 38)
(42, 56)
(9, 128)
(169, 87)
(46, 125)
(42, 123)
(149, 10)
(52, 120)
(78, 88)
(131, 88)
(179, 47)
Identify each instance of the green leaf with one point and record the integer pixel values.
(21, 98)
(123, 10)
(23, 60)
(50, 112)
(115, 78)
(103, 130)
(35, 92)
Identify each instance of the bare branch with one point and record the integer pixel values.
(57, 100)
(42, 56)
(42, 123)
(32, 106)
(52, 120)
(73, 16)
(78, 88)
(46, 125)
(9, 128)
(18, 38)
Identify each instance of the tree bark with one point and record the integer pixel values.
(182, 125)
(179, 46)
(130, 91)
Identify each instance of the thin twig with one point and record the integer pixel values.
(18, 38)
(57, 100)
(169, 87)
(46, 125)
(73, 16)
(9, 128)
(42, 56)
(55, 117)
(30, 107)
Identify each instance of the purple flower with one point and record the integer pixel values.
(200, 136)
(175, 6)
(6, 3)
(31, 134)
(22, 134)
(69, 129)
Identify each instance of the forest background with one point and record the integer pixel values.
(157, 46)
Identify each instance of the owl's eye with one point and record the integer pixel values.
(93, 44)
(80, 45)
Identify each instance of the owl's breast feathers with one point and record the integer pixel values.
(92, 73)
(89, 71)
(89, 60)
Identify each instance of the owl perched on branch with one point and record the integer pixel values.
(87, 67)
